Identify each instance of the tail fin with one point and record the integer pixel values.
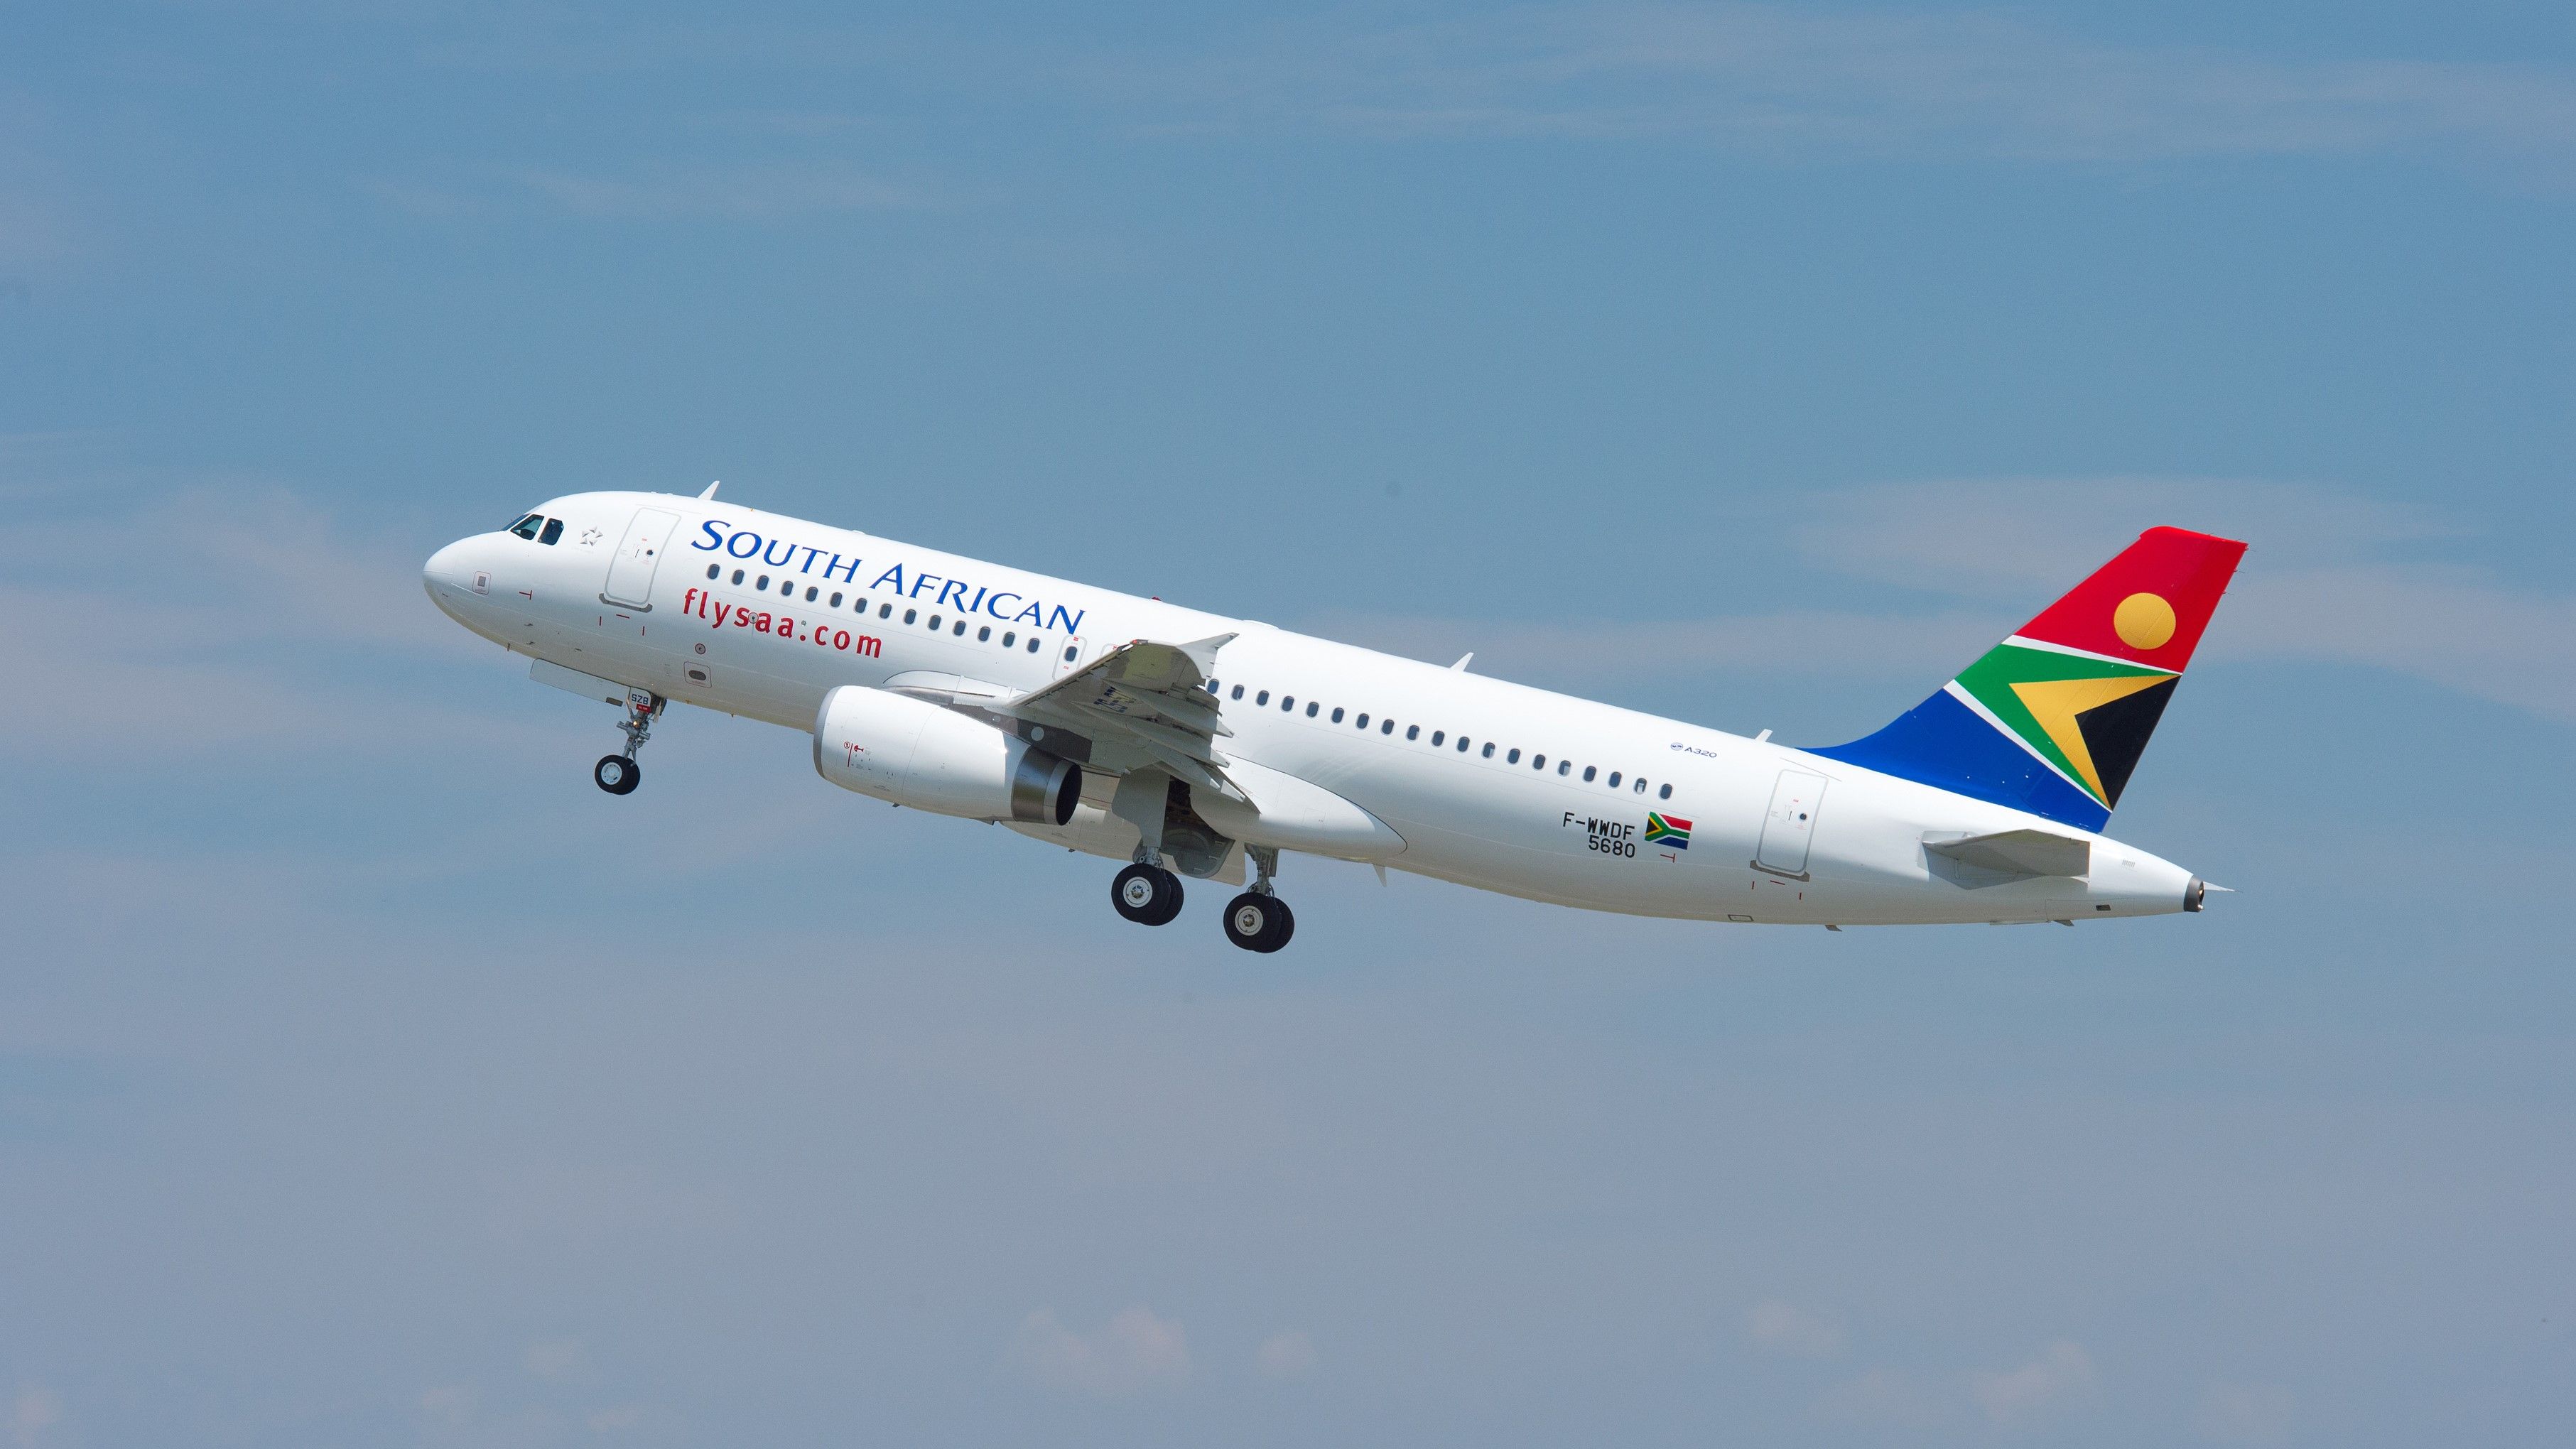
(2053, 719)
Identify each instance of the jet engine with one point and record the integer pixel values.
(915, 753)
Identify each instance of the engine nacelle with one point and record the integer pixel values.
(915, 753)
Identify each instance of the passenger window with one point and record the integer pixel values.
(1413, 732)
(884, 611)
(1513, 758)
(1614, 779)
(1462, 744)
(836, 601)
(1238, 692)
(1438, 735)
(527, 527)
(911, 614)
(763, 584)
(1386, 728)
(554, 531)
(984, 634)
(1033, 644)
(1287, 702)
(1361, 722)
(1562, 766)
(1262, 698)
(1011, 639)
(1488, 751)
(737, 576)
(1640, 786)
(1337, 714)
(1538, 762)
(1070, 650)
(1588, 773)
(1665, 793)
(1311, 707)
(713, 570)
(960, 630)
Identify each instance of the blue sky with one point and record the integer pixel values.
(366, 1076)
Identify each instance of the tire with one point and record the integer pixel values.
(1257, 922)
(617, 774)
(1146, 894)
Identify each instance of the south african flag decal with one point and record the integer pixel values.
(1669, 830)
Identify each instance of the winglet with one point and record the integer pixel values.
(1461, 665)
(711, 489)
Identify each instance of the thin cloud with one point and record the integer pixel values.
(2060, 1377)
(1133, 1353)
(2250, 1414)
(2311, 590)
(1785, 1326)
(1780, 80)
(760, 191)
(1288, 1354)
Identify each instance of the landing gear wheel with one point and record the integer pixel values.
(1146, 894)
(617, 774)
(1259, 923)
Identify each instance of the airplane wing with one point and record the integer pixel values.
(1145, 701)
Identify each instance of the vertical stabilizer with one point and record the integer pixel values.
(2053, 719)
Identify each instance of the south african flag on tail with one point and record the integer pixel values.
(2053, 719)
(1669, 830)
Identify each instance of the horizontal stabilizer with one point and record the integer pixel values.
(2019, 852)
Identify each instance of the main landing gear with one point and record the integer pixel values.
(1146, 894)
(1258, 920)
(620, 774)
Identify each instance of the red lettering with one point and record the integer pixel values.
(840, 638)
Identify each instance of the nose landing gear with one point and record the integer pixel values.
(620, 774)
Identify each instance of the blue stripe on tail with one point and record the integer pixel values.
(1945, 744)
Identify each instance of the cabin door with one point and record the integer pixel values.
(630, 572)
(1791, 823)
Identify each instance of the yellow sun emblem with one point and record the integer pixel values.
(2143, 621)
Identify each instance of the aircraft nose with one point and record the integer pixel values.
(447, 566)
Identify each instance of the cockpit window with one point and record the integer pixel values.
(527, 527)
(554, 531)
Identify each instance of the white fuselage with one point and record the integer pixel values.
(1846, 846)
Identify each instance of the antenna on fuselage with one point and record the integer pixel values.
(1461, 665)
(711, 489)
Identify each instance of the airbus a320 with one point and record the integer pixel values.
(1189, 745)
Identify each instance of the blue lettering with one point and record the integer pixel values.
(849, 576)
(1069, 623)
(993, 605)
(777, 563)
(979, 600)
(917, 581)
(895, 573)
(959, 585)
(715, 539)
(735, 545)
(812, 554)
(1034, 613)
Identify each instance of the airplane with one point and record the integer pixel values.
(1189, 744)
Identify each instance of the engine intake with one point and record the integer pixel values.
(915, 753)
